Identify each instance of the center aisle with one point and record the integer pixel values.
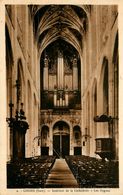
(61, 176)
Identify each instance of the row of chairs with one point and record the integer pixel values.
(92, 172)
(30, 172)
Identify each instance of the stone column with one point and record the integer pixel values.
(71, 141)
(71, 134)
(11, 143)
(51, 141)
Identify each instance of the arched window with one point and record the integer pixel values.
(77, 133)
(45, 135)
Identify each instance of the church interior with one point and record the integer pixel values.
(62, 78)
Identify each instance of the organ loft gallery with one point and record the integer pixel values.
(62, 94)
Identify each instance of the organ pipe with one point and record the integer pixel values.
(66, 98)
(75, 74)
(55, 98)
(60, 70)
(61, 95)
(45, 78)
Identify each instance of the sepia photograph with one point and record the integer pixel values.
(62, 96)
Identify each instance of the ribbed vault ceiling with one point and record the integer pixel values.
(53, 22)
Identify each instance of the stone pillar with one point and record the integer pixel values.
(19, 131)
(11, 143)
(45, 74)
(75, 74)
(51, 141)
(71, 141)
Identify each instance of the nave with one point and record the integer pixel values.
(71, 172)
(61, 176)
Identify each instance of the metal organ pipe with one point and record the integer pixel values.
(45, 77)
(60, 72)
(66, 98)
(60, 101)
(55, 98)
(75, 74)
(61, 93)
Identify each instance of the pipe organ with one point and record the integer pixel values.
(60, 78)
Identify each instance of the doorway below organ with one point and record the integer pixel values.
(61, 139)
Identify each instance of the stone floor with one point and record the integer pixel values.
(61, 176)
